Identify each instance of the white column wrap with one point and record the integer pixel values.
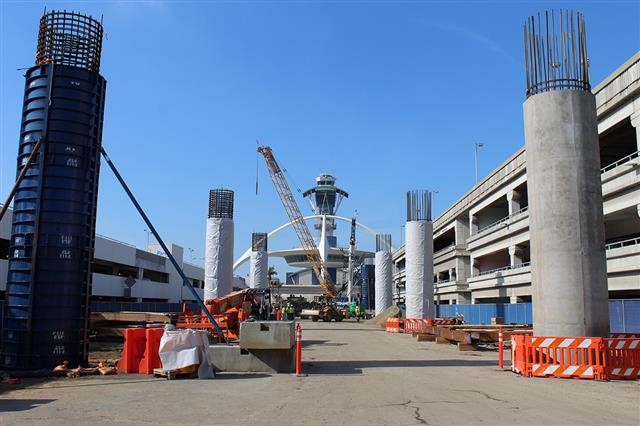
(218, 258)
(419, 269)
(258, 273)
(383, 283)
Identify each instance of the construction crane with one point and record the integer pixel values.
(298, 223)
(352, 252)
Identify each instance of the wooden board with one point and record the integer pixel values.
(183, 373)
(130, 317)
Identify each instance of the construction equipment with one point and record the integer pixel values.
(324, 309)
(297, 221)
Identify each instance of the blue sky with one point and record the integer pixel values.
(387, 96)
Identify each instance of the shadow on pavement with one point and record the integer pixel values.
(234, 376)
(307, 343)
(7, 405)
(355, 367)
(343, 329)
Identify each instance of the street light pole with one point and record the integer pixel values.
(148, 234)
(476, 147)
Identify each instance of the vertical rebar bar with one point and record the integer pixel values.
(555, 53)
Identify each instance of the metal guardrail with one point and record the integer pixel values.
(115, 241)
(503, 220)
(625, 243)
(620, 161)
(444, 249)
(504, 268)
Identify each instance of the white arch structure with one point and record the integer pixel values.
(247, 254)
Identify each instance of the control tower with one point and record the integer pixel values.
(325, 199)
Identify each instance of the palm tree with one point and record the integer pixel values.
(270, 274)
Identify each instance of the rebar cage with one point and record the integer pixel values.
(418, 205)
(383, 242)
(259, 241)
(555, 52)
(221, 204)
(69, 38)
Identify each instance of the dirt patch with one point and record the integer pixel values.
(107, 351)
(381, 319)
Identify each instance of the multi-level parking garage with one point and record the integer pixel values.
(481, 242)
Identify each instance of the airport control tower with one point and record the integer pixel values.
(325, 199)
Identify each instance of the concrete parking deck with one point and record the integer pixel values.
(356, 375)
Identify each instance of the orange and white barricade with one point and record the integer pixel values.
(393, 325)
(625, 336)
(567, 357)
(622, 358)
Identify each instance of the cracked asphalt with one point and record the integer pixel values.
(356, 375)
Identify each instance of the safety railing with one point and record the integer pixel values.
(500, 221)
(625, 243)
(503, 268)
(620, 161)
(442, 250)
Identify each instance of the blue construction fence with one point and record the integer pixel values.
(624, 315)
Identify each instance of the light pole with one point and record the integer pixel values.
(148, 234)
(476, 147)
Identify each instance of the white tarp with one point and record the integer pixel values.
(419, 269)
(218, 258)
(259, 269)
(383, 283)
(185, 347)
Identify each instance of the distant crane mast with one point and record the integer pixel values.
(297, 221)
(352, 252)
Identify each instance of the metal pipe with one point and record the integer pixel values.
(173, 261)
(21, 176)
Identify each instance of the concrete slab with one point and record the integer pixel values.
(267, 335)
(233, 358)
(356, 375)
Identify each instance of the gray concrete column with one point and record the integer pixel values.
(452, 274)
(513, 201)
(383, 281)
(475, 267)
(635, 120)
(515, 255)
(473, 223)
(569, 271)
(461, 231)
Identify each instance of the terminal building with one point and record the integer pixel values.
(125, 273)
(481, 242)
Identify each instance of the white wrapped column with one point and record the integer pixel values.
(383, 283)
(218, 258)
(258, 272)
(419, 269)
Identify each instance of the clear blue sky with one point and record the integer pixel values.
(388, 96)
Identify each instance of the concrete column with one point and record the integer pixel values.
(461, 231)
(515, 255)
(569, 274)
(513, 201)
(419, 269)
(218, 256)
(473, 223)
(383, 281)
(475, 266)
(635, 120)
(259, 269)
(513, 299)
(452, 274)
